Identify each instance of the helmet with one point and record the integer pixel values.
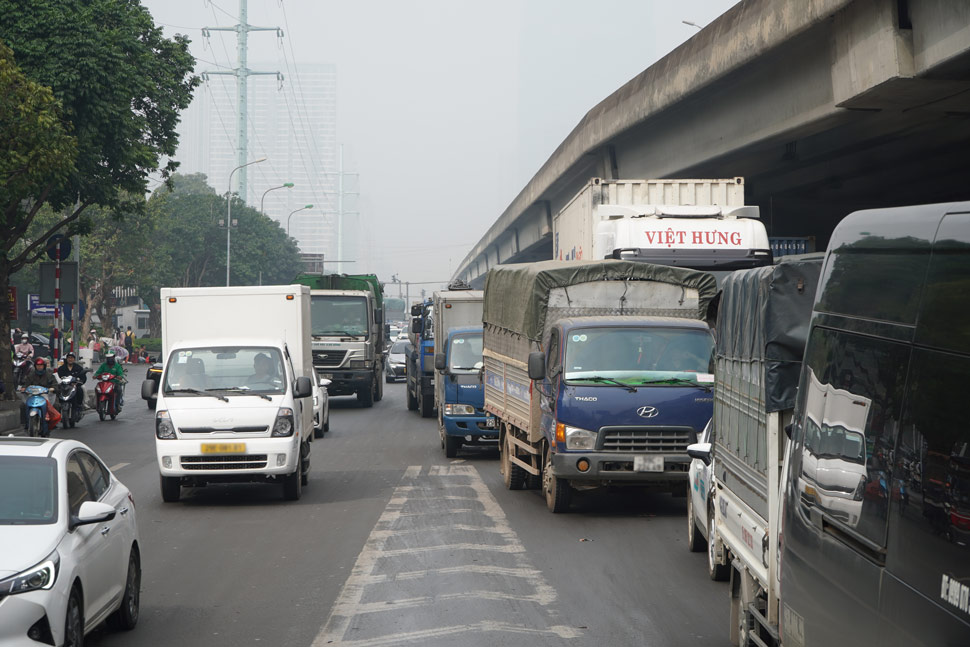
(40, 361)
(110, 353)
(24, 338)
(71, 356)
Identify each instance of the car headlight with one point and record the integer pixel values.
(164, 429)
(284, 423)
(459, 410)
(40, 577)
(358, 363)
(577, 438)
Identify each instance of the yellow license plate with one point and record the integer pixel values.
(223, 448)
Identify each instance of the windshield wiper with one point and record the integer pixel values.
(198, 392)
(242, 389)
(609, 380)
(345, 333)
(676, 380)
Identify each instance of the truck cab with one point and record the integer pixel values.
(622, 397)
(462, 419)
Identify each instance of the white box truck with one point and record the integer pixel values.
(233, 402)
(702, 224)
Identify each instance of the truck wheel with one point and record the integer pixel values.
(412, 401)
(152, 402)
(171, 489)
(513, 475)
(558, 492)
(452, 445)
(695, 540)
(378, 388)
(716, 570)
(366, 396)
(427, 406)
(293, 485)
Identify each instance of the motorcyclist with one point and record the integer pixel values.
(40, 376)
(25, 348)
(111, 366)
(70, 367)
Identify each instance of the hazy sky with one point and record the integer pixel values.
(447, 108)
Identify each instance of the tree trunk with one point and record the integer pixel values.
(6, 364)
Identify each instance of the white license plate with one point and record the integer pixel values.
(490, 423)
(648, 463)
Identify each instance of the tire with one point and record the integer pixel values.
(378, 389)
(293, 485)
(114, 416)
(412, 401)
(717, 572)
(366, 396)
(152, 403)
(427, 406)
(388, 378)
(74, 620)
(558, 492)
(171, 487)
(695, 540)
(318, 432)
(326, 425)
(452, 445)
(513, 475)
(33, 426)
(126, 617)
(101, 408)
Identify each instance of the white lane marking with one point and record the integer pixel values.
(349, 604)
(439, 632)
(115, 468)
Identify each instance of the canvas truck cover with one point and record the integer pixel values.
(764, 316)
(362, 282)
(519, 297)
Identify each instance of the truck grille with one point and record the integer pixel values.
(328, 357)
(650, 439)
(235, 462)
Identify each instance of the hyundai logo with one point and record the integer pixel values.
(647, 412)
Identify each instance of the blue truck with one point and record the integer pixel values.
(462, 419)
(598, 372)
(420, 359)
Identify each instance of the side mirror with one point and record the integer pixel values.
(416, 326)
(417, 309)
(148, 389)
(537, 366)
(92, 512)
(440, 362)
(303, 388)
(700, 451)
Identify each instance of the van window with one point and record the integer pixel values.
(944, 320)
(851, 402)
(930, 493)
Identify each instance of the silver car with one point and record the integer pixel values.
(67, 526)
(394, 368)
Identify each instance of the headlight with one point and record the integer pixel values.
(284, 423)
(359, 363)
(164, 429)
(459, 410)
(577, 438)
(40, 577)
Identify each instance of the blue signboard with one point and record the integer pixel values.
(38, 309)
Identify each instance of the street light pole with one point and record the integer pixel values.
(303, 208)
(229, 211)
(285, 185)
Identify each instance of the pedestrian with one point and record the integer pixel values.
(129, 343)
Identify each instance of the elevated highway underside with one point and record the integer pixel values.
(824, 107)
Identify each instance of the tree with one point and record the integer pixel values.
(121, 86)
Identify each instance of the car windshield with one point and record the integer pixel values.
(399, 348)
(465, 353)
(338, 315)
(28, 490)
(224, 371)
(654, 355)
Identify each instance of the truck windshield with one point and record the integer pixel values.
(224, 371)
(338, 316)
(661, 356)
(465, 353)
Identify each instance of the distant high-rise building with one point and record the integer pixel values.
(294, 127)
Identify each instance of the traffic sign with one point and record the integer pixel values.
(36, 308)
(59, 242)
(12, 298)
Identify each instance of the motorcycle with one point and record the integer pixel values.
(67, 389)
(37, 411)
(108, 395)
(21, 368)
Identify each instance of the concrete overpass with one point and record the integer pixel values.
(824, 106)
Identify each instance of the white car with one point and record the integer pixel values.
(70, 558)
(699, 503)
(321, 408)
